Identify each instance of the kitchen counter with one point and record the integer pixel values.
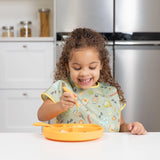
(34, 146)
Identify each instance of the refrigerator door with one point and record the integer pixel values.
(94, 14)
(137, 70)
(137, 16)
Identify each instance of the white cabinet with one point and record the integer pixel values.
(19, 110)
(26, 64)
(26, 70)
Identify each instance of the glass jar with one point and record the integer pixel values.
(25, 30)
(44, 22)
(7, 31)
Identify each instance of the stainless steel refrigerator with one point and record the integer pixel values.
(137, 59)
(133, 30)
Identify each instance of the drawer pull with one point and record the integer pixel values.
(24, 46)
(25, 94)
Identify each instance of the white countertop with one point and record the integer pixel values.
(34, 146)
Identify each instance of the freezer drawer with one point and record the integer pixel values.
(95, 14)
(137, 16)
(137, 71)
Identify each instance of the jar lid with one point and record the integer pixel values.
(44, 10)
(7, 27)
(25, 22)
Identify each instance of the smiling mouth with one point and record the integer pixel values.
(85, 81)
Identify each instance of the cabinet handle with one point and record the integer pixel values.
(24, 46)
(25, 94)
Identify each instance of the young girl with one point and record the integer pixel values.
(84, 69)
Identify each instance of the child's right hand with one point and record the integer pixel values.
(67, 101)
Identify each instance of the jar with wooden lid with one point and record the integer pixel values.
(7, 31)
(44, 22)
(25, 30)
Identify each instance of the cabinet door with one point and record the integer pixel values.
(26, 64)
(18, 110)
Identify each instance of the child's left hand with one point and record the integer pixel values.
(136, 128)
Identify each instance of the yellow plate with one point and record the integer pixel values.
(73, 132)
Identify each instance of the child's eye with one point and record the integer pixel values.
(77, 69)
(92, 68)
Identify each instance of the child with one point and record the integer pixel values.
(84, 69)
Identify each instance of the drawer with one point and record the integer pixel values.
(26, 65)
(19, 110)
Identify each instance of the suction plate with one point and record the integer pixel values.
(73, 132)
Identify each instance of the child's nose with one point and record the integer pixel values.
(84, 72)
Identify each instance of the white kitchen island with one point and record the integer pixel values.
(34, 146)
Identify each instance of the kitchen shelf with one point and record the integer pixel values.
(28, 39)
(14, 11)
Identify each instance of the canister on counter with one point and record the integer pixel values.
(25, 30)
(44, 22)
(7, 31)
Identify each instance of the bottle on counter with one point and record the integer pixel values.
(44, 22)
(25, 30)
(7, 31)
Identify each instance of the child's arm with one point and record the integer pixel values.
(49, 109)
(134, 128)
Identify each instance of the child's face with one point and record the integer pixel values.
(84, 67)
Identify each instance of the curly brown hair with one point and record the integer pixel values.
(82, 38)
